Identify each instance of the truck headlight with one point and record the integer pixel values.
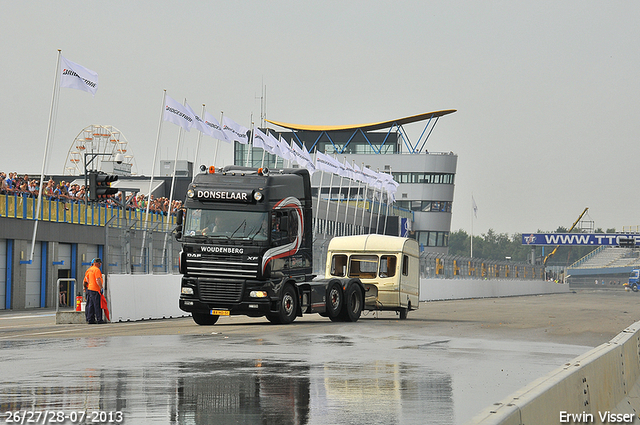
(190, 193)
(257, 196)
(258, 294)
(186, 290)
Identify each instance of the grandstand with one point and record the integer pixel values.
(610, 265)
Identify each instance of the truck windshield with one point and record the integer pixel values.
(232, 225)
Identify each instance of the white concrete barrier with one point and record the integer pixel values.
(453, 289)
(140, 297)
(599, 387)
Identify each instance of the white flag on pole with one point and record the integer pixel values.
(215, 127)
(235, 131)
(176, 113)
(76, 76)
(370, 176)
(270, 144)
(302, 157)
(259, 139)
(198, 123)
(274, 145)
(359, 175)
(475, 207)
(285, 149)
(327, 163)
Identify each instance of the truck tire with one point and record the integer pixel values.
(204, 319)
(634, 287)
(335, 300)
(353, 303)
(288, 308)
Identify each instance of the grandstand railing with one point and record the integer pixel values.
(68, 211)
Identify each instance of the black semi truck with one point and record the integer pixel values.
(246, 237)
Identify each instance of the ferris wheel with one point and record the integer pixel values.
(103, 139)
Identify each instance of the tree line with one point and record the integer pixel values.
(500, 246)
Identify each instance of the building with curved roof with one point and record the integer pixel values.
(426, 179)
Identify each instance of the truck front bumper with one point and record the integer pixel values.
(254, 308)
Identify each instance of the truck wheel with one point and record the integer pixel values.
(334, 301)
(634, 287)
(204, 319)
(288, 307)
(353, 303)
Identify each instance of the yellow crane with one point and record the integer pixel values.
(552, 253)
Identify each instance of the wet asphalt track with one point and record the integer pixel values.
(443, 365)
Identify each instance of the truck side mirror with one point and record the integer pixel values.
(180, 217)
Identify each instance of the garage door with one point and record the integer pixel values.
(32, 295)
(3, 273)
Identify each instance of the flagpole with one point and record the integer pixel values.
(264, 151)
(315, 231)
(215, 153)
(472, 200)
(250, 145)
(326, 218)
(355, 212)
(384, 230)
(379, 206)
(173, 182)
(346, 210)
(195, 159)
(339, 196)
(366, 193)
(373, 199)
(153, 170)
(50, 125)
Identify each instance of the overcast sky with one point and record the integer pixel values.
(546, 91)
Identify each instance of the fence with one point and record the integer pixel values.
(68, 211)
(134, 246)
(435, 265)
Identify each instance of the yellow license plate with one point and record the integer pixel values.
(219, 312)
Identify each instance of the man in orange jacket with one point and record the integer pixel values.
(93, 282)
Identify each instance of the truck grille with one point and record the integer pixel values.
(221, 268)
(226, 291)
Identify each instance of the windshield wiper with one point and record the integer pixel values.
(244, 222)
(253, 235)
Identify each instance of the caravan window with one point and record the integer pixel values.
(364, 266)
(387, 266)
(405, 265)
(339, 265)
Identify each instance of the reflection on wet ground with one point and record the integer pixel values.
(280, 379)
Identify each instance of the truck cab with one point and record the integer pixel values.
(387, 266)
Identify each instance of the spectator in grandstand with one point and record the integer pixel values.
(9, 181)
(80, 193)
(48, 190)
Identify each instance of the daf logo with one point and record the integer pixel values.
(192, 254)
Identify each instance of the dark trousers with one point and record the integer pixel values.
(93, 310)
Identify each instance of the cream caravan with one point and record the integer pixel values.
(387, 266)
